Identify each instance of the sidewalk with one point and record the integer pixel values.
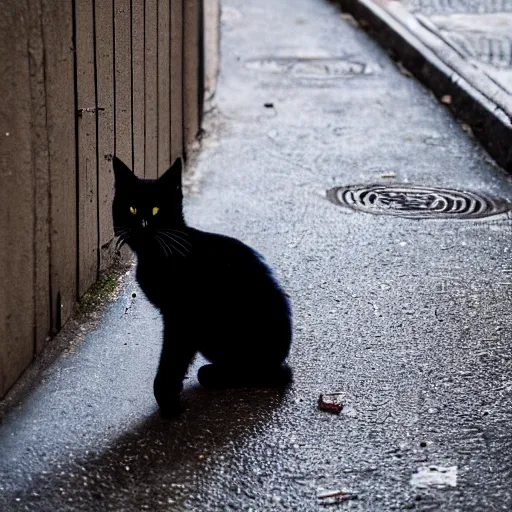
(461, 50)
(480, 31)
(410, 320)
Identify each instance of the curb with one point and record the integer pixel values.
(475, 99)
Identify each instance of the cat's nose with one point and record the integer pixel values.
(144, 223)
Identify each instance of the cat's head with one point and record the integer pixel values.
(148, 214)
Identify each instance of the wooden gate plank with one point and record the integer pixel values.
(105, 89)
(151, 89)
(138, 93)
(176, 71)
(123, 81)
(40, 164)
(164, 91)
(191, 55)
(16, 198)
(57, 26)
(87, 158)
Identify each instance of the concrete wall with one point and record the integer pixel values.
(81, 80)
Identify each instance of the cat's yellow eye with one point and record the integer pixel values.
(133, 210)
(156, 210)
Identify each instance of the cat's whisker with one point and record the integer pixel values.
(171, 247)
(170, 237)
(163, 246)
(170, 244)
(121, 240)
(178, 250)
(119, 244)
(170, 232)
(167, 249)
(176, 231)
(122, 235)
(174, 243)
(183, 237)
(180, 234)
(118, 232)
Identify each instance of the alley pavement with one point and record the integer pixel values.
(409, 320)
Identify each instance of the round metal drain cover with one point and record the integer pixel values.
(417, 202)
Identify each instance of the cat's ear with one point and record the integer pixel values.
(172, 177)
(122, 173)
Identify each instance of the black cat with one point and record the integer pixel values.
(216, 295)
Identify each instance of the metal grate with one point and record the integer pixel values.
(417, 202)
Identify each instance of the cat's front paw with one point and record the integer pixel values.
(168, 400)
(170, 408)
(169, 403)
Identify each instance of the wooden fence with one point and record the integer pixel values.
(81, 80)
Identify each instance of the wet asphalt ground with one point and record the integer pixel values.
(410, 320)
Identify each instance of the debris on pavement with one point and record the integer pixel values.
(446, 99)
(330, 402)
(333, 497)
(465, 127)
(403, 69)
(129, 302)
(348, 18)
(435, 476)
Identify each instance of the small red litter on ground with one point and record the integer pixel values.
(330, 402)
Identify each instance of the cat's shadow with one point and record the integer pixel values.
(160, 454)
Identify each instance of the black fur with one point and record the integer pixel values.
(216, 295)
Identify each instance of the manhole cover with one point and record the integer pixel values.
(417, 202)
(310, 68)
